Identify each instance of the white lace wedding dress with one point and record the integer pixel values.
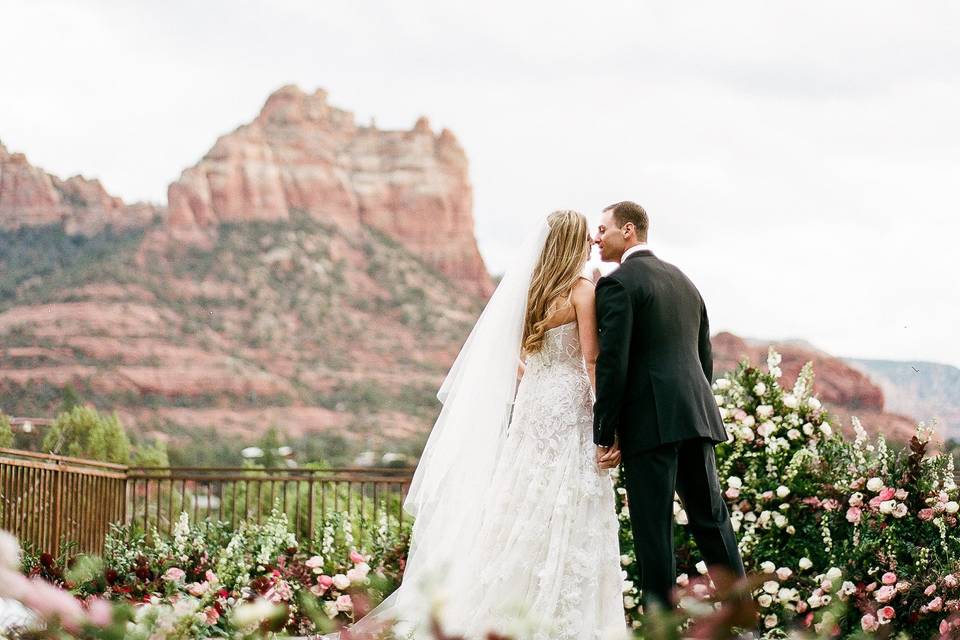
(548, 543)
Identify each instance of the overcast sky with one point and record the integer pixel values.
(799, 160)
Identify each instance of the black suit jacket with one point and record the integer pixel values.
(655, 366)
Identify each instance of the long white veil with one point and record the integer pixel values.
(458, 463)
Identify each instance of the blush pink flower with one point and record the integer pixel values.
(853, 515)
(344, 603)
(356, 558)
(869, 623)
(887, 494)
(174, 574)
(886, 614)
(929, 590)
(100, 612)
(211, 615)
(889, 578)
(925, 514)
(885, 593)
(950, 580)
(325, 581)
(936, 604)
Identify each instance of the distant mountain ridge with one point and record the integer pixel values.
(925, 390)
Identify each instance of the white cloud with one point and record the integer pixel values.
(798, 160)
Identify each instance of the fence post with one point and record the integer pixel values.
(57, 512)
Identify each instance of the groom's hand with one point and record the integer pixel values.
(609, 457)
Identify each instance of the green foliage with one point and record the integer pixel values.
(6, 432)
(83, 433)
(150, 455)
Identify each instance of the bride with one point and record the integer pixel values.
(515, 528)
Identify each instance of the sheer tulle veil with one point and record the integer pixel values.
(449, 486)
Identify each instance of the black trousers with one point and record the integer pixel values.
(688, 468)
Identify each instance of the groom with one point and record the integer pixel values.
(654, 406)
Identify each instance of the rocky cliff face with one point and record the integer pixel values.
(301, 154)
(31, 197)
(846, 391)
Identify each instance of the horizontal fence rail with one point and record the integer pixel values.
(46, 499)
(50, 501)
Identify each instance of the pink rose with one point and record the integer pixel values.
(871, 587)
(853, 515)
(174, 574)
(885, 594)
(887, 494)
(889, 578)
(732, 493)
(100, 612)
(929, 590)
(950, 580)
(886, 613)
(325, 581)
(356, 558)
(344, 603)
(901, 494)
(831, 504)
(936, 604)
(211, 615)
(925, 514)
(802, 606)
(868, 623)
(211, 577)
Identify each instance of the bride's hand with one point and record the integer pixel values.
(609, 457)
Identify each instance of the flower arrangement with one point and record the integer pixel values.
(850, 531)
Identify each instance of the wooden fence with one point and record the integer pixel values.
(49, 500)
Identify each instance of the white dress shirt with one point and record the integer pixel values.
(634, 249)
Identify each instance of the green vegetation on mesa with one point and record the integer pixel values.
(264, 288)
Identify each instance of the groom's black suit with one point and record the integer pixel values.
(653, 393)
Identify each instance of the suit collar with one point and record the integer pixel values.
(638, 252)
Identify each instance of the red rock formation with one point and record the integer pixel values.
(845, 391)
(31, 197)
(300, 153)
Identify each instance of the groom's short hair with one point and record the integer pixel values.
(626, 211)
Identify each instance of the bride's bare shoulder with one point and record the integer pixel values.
(583, 290)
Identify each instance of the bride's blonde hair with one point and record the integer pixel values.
(559, 267)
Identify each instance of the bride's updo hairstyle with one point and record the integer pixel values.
(560, 265)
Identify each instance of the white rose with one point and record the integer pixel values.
(790, 401)
(833, 573)
(793, 434)
(746, 434)
(780, 520)
(886, 507)
(722, 384)
(784, 572)
(768, 567)
(900, 510)
(702, 567)
(683, 580)
(786, 595)
(951, 507)
(719, 400)
(760, 389)
(765, 600)
(813, 403)
(770, 621)
(749, 421)
(765, 429)
(782, 491)
(791, 529)
(627, 585)
(875, 484)
(807, 428)
(771, 587)
(805, 563)
(330, 608)
(341, 581)
(626, 560)
(735, 482)
(825, 429)
(629, 602)
(764, 411)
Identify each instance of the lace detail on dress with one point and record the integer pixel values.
(549, 537)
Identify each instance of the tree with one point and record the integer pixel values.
(69, 398)
(6, 432)
(150, 455)
(84, 433)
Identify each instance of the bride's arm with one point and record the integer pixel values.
(585, 305)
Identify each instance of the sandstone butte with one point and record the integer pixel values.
(298, 154)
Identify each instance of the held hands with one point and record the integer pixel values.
(609, 457)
